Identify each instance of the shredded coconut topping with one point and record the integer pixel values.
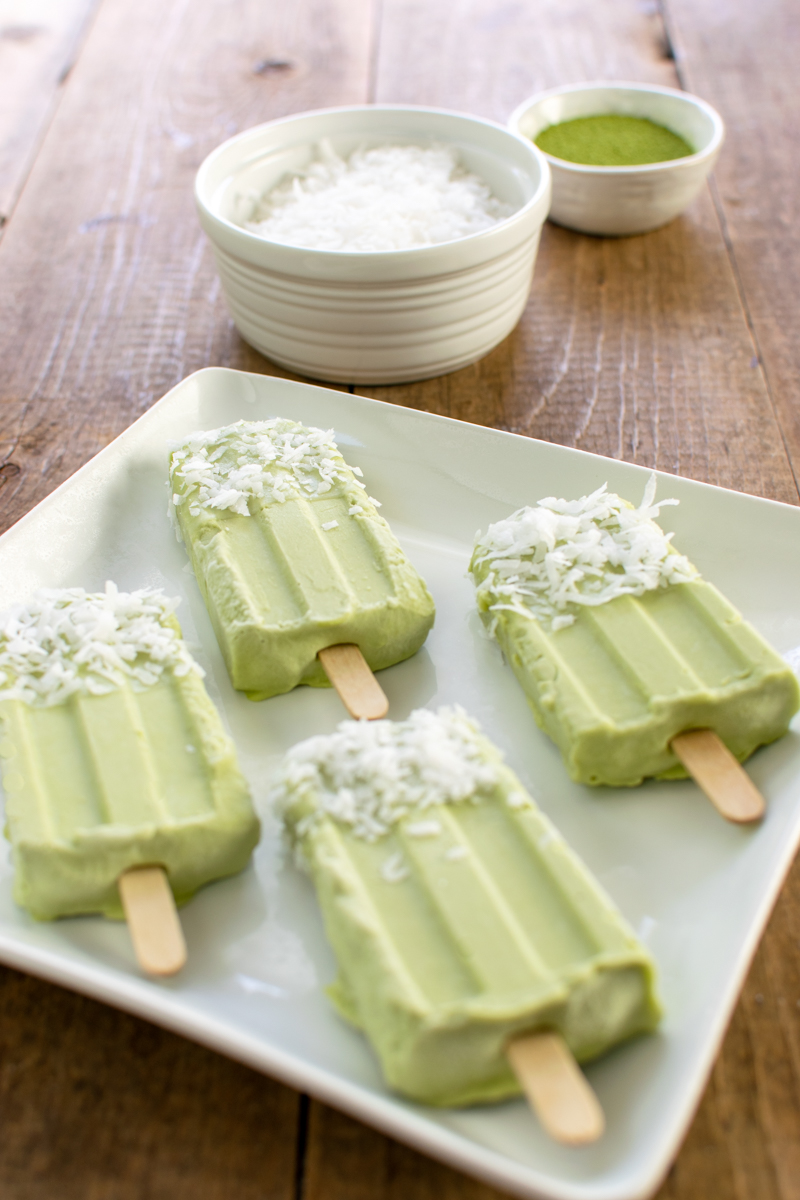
(548, 561)
(370, 774)
(67, 640)
(383, 198)
(423, 829)
(456, 853)
(518, 800)
(273, 460)
(394, 869)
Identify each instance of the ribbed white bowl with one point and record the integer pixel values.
(624, 200)
(383, 317)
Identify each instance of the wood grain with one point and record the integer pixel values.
(747, 68)
(485, 57)
(39, 40)
(97, 1105)
(153, 920)
(358, 689)
(718, 773)
(124, 300)
(556, 1088)
(347, 1161)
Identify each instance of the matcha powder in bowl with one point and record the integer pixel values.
(625, 157)
(612, 140)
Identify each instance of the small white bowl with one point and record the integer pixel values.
(383, 317)
(624, 200)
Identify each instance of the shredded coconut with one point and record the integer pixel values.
(273, 460)
(370, 774)
(65, 641)
(456, 853)
(547, 561)
(394, 869)
(383, 198)
(423, 829)
(517, 800)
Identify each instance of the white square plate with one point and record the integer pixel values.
(698, 890)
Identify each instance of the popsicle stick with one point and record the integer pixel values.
(359, 690)
(153, 920)
(723, 779)
(557, 1090)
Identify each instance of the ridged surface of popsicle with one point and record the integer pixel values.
(466, 925)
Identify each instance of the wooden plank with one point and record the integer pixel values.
(635, 347)
(482, 57)
(100, 1104)
(38, 43)
(109, 294)
(348, 1161)
(747, 68)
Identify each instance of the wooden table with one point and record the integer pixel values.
(678, 350)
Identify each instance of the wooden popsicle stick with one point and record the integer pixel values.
(557, 1089)
(153, 920)
(721, 776)
(359, 690)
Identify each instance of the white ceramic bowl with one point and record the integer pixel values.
(375, 317)
(624, 200)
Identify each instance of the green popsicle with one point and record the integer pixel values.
(113, 755)
(459, 918)
(291, 555)
(617, 642)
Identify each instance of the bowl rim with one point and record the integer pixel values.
(540, 195)
(670, 164)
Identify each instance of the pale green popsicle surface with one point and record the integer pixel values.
(97, 784)
(614, 687)
(451, 943)
(283, 578)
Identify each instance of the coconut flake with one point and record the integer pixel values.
(423, 829)
(370, 774)
(394, 869)
(383, 198)
(456, 853)
(548, 561)
(67, 641)
(517, 800)
(275, 460)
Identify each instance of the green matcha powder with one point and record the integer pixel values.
(612, 141)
